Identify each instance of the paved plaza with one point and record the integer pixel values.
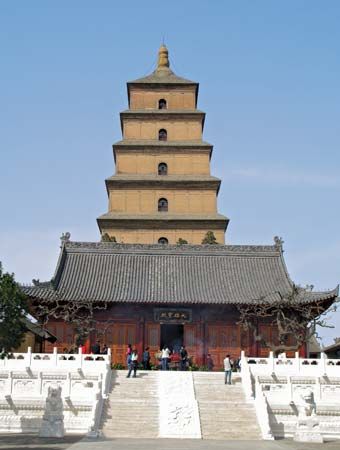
(32, 442)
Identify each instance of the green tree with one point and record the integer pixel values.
(182, 241)
(13, 308)
(209, 238)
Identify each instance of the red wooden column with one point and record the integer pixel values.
(203, 343)
(140, 338)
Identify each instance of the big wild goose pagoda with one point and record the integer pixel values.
(157, 289)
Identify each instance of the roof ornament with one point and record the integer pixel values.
(64, 238)
(278, 241)
(163, 58)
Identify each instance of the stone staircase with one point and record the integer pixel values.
(132, 408)
(224, 412)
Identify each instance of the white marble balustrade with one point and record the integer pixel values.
(277, 386)
(25, 379)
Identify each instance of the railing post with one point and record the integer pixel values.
(297, 362)
(10, 374)
(290, 388)
(69, 383)
(29, 357)
(80, 358)
(55, 356)
(272, 361)
(323, 364)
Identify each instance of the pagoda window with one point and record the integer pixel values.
(162, 205)
(162, 103)
(162, 169)
(163, 241)
(162, 135)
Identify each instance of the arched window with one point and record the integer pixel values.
(162, 135)
(162, 169)
(163, 241)
(162, 205)
(162, 103)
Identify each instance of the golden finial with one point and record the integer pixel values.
(163, 58)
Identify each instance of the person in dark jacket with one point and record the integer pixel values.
(96, 348)
(184, 358)
(210, 362)
(146, 359)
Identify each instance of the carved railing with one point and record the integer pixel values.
(279, 384)
(261, 407)
(84, 380)
(294, 366)
(246, 377)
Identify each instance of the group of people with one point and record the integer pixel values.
(132, 360)
(166, 358)
(98, 350)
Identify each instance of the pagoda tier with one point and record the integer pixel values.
(162, 190)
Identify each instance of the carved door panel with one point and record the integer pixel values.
(190, 341)
(213, 345)
(122, 335)
(152, 340)
(223, 340)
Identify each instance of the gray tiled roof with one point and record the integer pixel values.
(154, 177)
(166, 76)
(165, 112)
(165, 181)
(156, 142)
(163, 219)
(187, 274)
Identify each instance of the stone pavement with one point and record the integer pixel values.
(32, 442)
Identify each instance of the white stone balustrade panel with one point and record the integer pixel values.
(285, 381)
(25, 380)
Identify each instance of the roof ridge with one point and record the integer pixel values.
(173, 248)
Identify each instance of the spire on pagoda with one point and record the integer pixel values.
(163, 58)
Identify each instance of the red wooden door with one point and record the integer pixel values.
(191, 342)
(152, 340)
(223, 340)
(121, 335)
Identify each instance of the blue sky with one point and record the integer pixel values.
(269, 82)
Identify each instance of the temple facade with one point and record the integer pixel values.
(153, 280)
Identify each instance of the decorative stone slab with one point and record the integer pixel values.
(178, 409)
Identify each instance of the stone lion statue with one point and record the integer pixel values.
(306, 405)
(53, 419)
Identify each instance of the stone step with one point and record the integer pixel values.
(233, 437)
(132, 408)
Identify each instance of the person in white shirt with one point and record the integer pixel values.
(165, 358)
(227, 369)
(133, 364)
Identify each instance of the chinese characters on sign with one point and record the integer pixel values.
(172, 315)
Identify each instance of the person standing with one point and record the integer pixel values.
(146, 359)
(133, 364)
(96, 348)
(165, 358)
(184, 358)
(128, 355)
(105, 349)
(227, 369)
(210, 362)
